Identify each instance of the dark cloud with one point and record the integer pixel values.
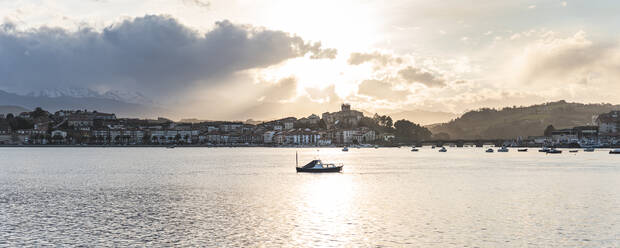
(416, 75)
(381, 90)
(154, 53)
(376, 57)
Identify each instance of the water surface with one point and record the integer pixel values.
(240, 197)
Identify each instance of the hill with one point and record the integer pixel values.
(513, 122)
(86, 102)
(423, 117)
(15, 110)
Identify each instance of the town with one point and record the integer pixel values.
(346, 127)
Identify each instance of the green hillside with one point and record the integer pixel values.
(520, 121)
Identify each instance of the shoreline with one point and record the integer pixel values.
(258, 146)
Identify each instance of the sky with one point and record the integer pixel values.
(240, 59)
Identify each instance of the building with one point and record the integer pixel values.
(564, 136)
(268, 137)
(608, 123)
(344, 118)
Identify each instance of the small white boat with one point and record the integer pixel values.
(615, 151)
(544, 149)
(414, 149)
(443, 149)
(554, 151)
(503, 149)
(589, 149)
(490, 150)
(345, 149)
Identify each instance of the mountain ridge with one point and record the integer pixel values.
(513, 122)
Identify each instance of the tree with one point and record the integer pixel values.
(409, 131)
(549, 130)
(388, 122)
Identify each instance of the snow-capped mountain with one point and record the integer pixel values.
(53, 100)
(121, 96)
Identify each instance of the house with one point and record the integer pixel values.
(268, 137)
(345, 117)
(564, 136)
(80, 120)
(608, 123)
(5, 128)
(59, 133)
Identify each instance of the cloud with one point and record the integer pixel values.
(575, 59)
(283, 90)
(199, 3)
(375, 57)
(416, 75)
(154, 54)
(382, 90)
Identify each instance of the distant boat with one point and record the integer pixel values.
(432, 147)
(171, 147)
(503, 149)
(443, 149)
(554, 151)
(522, 150)
(490, 150)
(317, 166)
(573, 151)
(376, 147)
(544, 149)
(615, 151)
(589, 149)
(345, 149)
(413, 149)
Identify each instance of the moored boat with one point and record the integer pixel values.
(589, 149)
(317, 166)
(490, 150)
(443, 149)
(522, 150)
(544, 149)
(615, 151)
(573, 151)
(345, 149)
(503, 149)
(554, 151)
(414, 149)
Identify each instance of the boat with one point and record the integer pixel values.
(490, 150)
(589, 149)
(432, 147)
(544, 149)
(573, 151)
(345, 149)
(171, 147)
(443, 149)
(615, 151)
(317, 166)
(522, 150)
(413, 149)
(376, 147)
(554, 151)
(503, 149)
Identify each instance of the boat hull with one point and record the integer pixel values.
(322, 170)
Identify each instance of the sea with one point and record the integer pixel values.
(253, 197)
